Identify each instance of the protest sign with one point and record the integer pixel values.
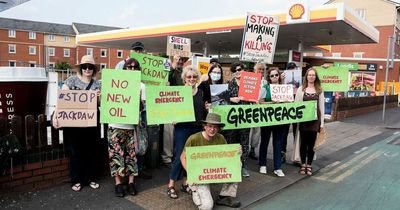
(120, 96)
(281, 93)
(334, 78)
(294, 78)
(202, 64)
(77, 108)
(249, 87)
(155, 69)
(167, 104)
(219, 94)
(178, 46)
(259, 38)
(250, 116)
(213, 164)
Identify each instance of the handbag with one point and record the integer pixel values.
(141, 142)
(321, 138)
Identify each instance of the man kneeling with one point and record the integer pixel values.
(201, 193)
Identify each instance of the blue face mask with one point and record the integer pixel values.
(215, 77)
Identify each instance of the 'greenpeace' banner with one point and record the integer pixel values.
(155, 69)
(250, 116)
(120, 92)
(259, 38)
(213, 164)
(334, 78)
(166, 104)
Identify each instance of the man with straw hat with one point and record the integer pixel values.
(201, 193)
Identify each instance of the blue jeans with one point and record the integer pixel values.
(181, 134)
(277, 134)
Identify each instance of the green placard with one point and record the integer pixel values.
(250, 116)
(350, 65)
(155, 69)
(166, 104)
(120, 91)
(213, 164)
(334, 78)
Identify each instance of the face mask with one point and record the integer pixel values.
(215, 77)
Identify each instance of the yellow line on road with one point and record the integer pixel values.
(358, 166)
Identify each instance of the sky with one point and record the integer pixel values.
(141, 13)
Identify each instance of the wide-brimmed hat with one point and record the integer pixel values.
(88, 59)
(214, 119)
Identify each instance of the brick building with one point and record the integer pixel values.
(384, 16)
(31, 43)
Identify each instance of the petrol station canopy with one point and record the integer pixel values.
(331, 24)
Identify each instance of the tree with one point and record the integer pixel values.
(63, 65)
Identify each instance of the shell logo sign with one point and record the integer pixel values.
(296, 11)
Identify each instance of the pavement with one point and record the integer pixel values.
(344, 137)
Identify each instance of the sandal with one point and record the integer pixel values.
(309, 171)
(94, 185)
(186, 189)
(172, 193)
(76, 187)
(303, 170)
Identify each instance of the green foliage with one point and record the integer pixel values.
(63, 65)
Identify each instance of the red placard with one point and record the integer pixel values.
(249, 87)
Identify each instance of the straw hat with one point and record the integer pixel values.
(88, 59)
(214, 119)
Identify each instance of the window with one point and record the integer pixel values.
(120, 53)
(361, 13)
(12, 33)
(103, 53)
(32, 63)
(12, 63)
(336, 55)
(51, 51)
(67, 52)
(52, 37)
(32, 35)
(32, 50)
(358, 54)
(66, 39)
(318, 54)
(51, 64)
(12, 48)
(89, 51)
(103, 65)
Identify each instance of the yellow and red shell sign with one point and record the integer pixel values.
(296, 11)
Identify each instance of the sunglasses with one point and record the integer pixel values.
(191, 77)
(238, 69)
(132, 67)
(274, 75)
(86, 66)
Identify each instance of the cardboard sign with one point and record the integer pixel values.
(213, 164)
(202, 64)
(166, 104)
(334, 78)
(155, 69)
(77, 108)
(250, 86)
(120, 96)
(282, 93)
(259, 38)
(178, 46)
(250, 116)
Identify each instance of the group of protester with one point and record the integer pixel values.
(125, 164)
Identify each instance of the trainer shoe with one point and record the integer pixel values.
(228, 201)
(245, 173)
(279, 173)
(263, 169)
